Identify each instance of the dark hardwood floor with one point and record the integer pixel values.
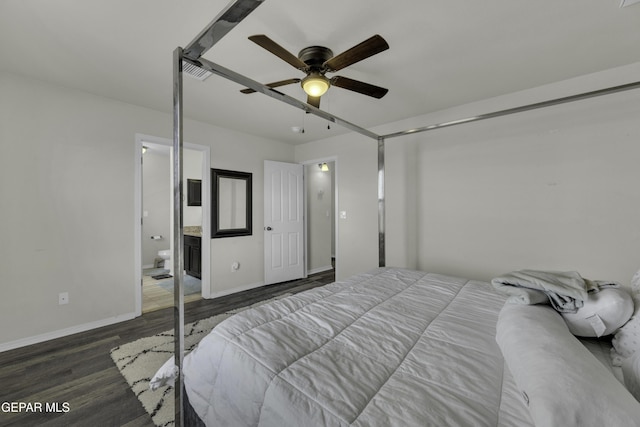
(77, 373)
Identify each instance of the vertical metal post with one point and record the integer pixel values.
(178, 239)
(381, 210)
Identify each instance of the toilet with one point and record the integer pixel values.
(165, 255)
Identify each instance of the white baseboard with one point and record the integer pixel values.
(320, 269)
(23, 342)
(235, 290)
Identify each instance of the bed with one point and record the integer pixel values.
(391, 347)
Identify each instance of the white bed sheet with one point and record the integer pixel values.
(392, 347)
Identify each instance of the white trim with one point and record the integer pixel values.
(23, 342)
(236, 289)
(205, 276)
(206, 214)
(320, 269)
(137, 228)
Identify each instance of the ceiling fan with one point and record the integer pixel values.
(316, 61)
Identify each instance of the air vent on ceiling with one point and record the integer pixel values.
(625, 3)
(195, 72)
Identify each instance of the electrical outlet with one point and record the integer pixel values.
(63, 298)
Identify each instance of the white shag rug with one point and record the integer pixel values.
(138, 361)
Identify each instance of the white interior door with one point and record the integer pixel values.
(283, 222)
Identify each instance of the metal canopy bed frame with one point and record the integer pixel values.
(226, 20)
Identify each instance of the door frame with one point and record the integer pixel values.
(333, 159)
(140, 139)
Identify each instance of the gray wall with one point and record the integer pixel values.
(67, 183)
(554, 189)
(547, 189)
(357, 245)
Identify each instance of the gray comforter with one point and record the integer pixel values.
(388, 348)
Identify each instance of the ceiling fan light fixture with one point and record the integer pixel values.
(315, 84)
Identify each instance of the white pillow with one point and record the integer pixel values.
(166, 375)
(603, 313)
(626, 341)
(564, 383)
(635, 284)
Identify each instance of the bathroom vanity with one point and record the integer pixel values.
(193, 251)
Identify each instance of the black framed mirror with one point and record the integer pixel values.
(231, 210)
(194, 192)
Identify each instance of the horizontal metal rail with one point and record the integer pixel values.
(220, 26)
(543, 104)
(259, 87)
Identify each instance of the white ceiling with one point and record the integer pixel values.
(442, 53)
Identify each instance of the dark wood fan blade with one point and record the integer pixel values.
(282, 53)
(367, 48)
(360, 87)
(274, 84)
(314, 100)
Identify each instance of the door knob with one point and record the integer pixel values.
(268, 228)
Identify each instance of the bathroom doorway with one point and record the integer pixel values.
(154, 195)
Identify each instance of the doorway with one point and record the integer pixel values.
(320, 208)
(300, 219)
(154, 219)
